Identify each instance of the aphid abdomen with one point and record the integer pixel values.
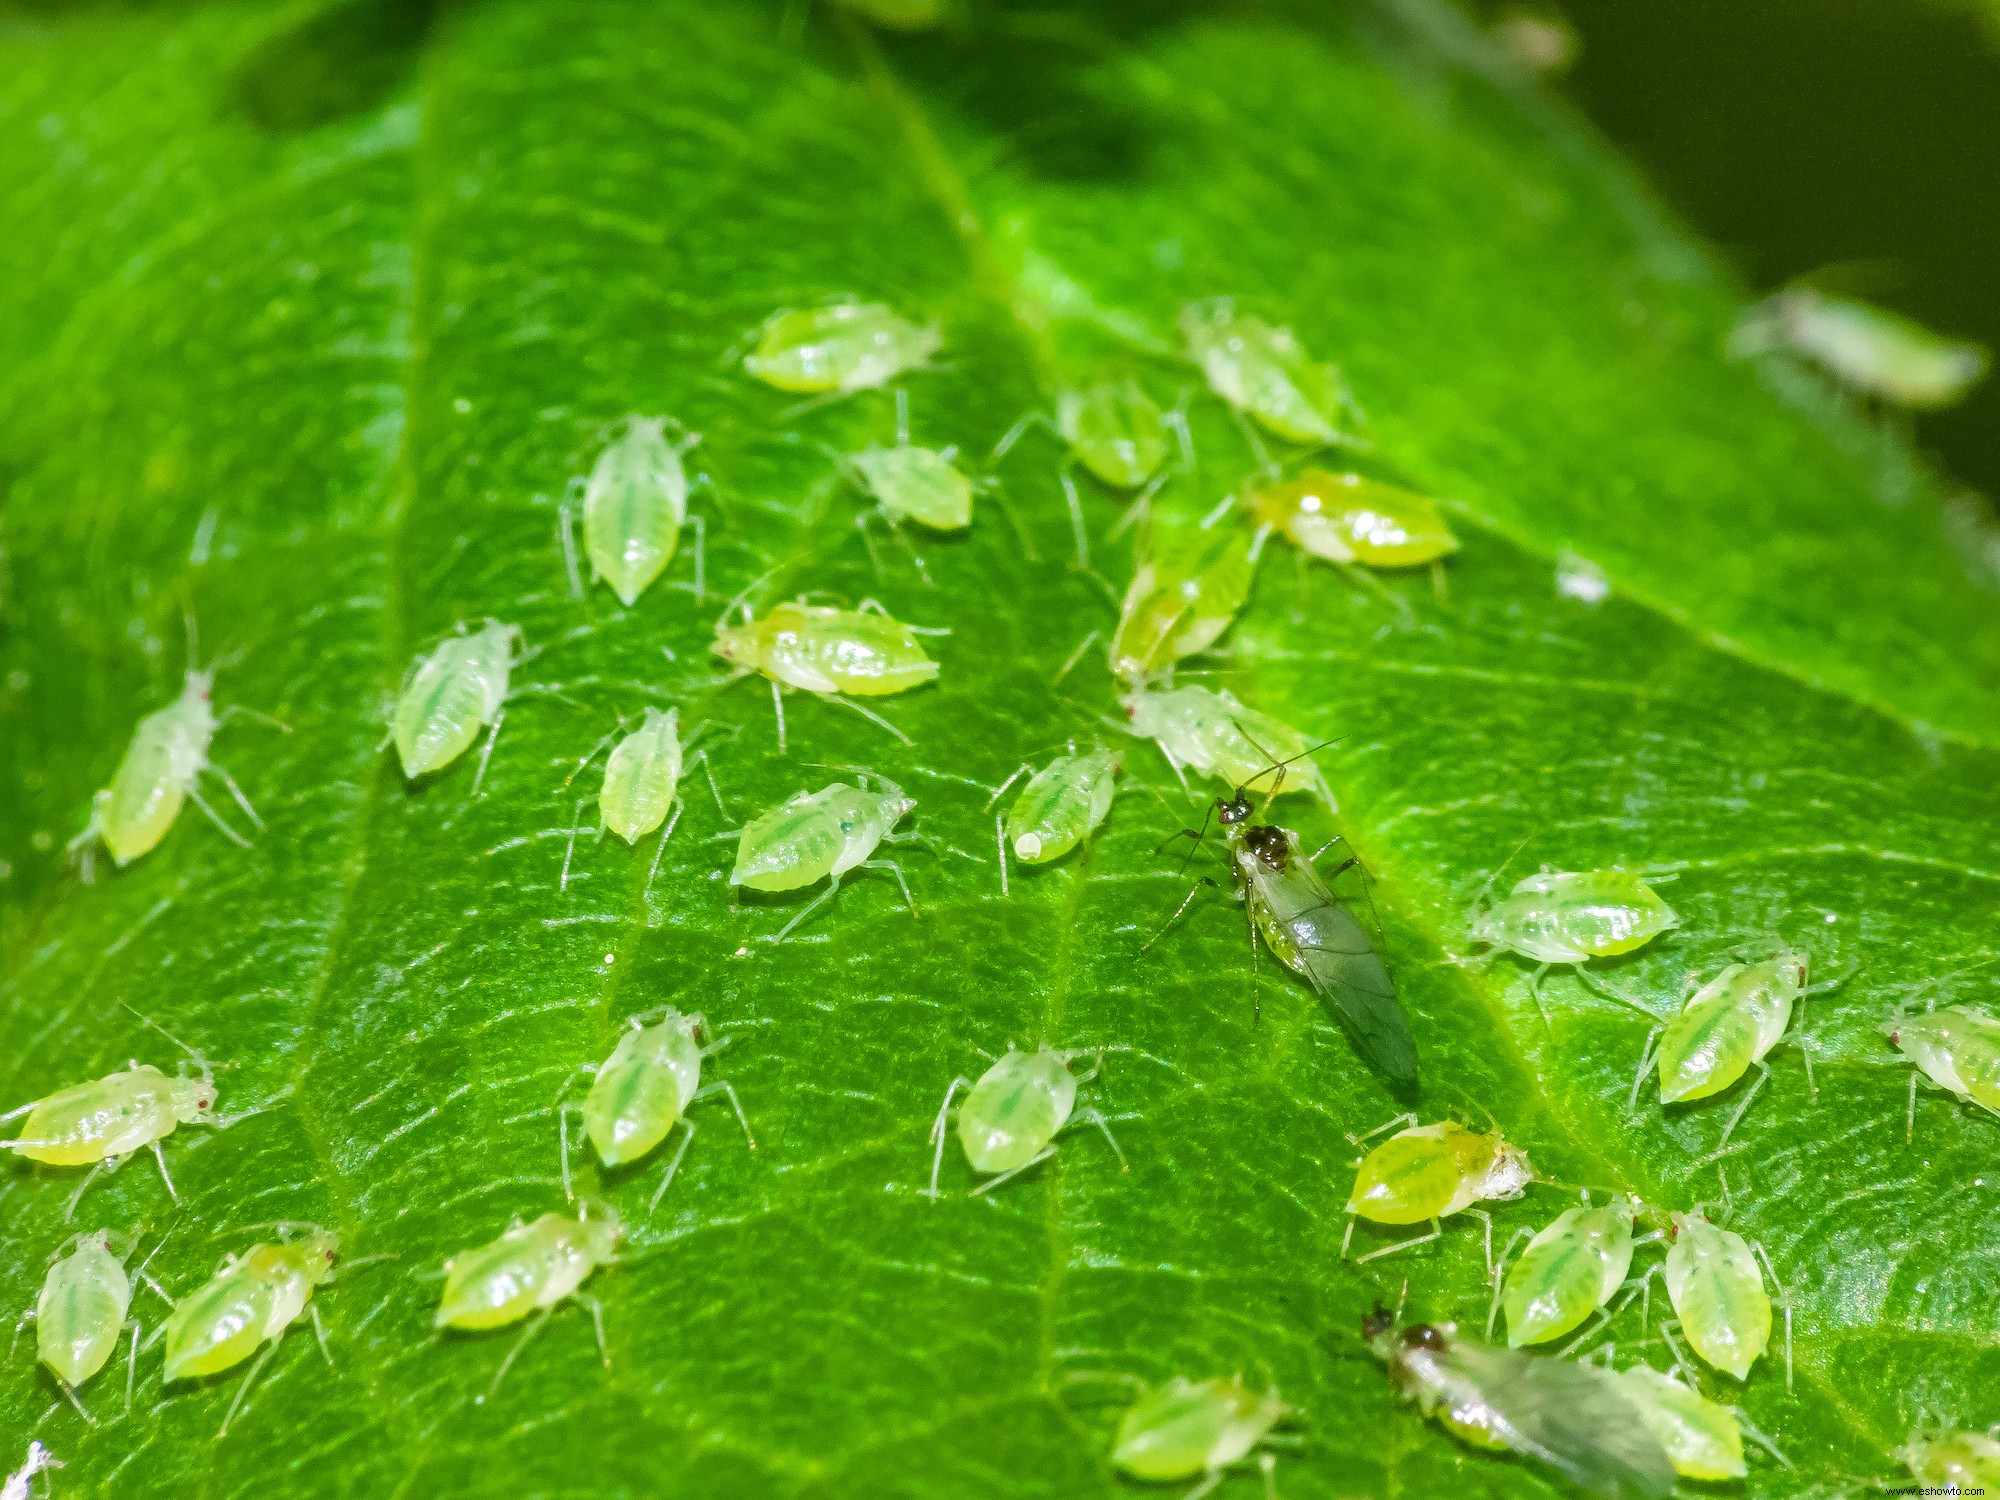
(502, 1282)
(1718, 1292)
(1060, 806)
(1711, 1043)
(917, 484)
(443, 709)
(642, 776)
(1965, 1462)
(87, 1122)
(1116, 431)
(788, 847)
(1185, 1428)
(1568, 1271)
(149, 787)
(631, 1106)
(218, 1326)
(1408, 1179)
(1701, 1438)
(847, 347)
(865, 655)
(1015, 1110)
(633, 509)
(81, 1313)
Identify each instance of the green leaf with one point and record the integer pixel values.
(310, 332)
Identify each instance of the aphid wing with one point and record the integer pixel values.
(1570, 1416)
(1336, 955)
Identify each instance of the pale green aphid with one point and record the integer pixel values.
(644, 1089)
(1961, 1462)
(832, 653)
(848, 347)
(100, 1123)
(84, 1307)
(1571, 917)
(1957, 1048)
(634, 506)
(452, 694)
(1569, 1271)
(246, 1307)
(1863, 347)
(1113, 428)
(1060, 806)
(642, 777)
(1197, 1428)
(821, 836)
(1011, 1119)
(1703, 1439)
(1718, 1294)
(532, 1268)
(1265, 373)
(1214, 735)
(160, 772)
(1426, 1173)
(1176, 610)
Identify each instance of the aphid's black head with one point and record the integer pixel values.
(1229, 811)
(1269, 844)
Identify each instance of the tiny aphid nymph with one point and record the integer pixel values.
(1568, 1271)
(1346, 518)
(1718, 1294)
(1060, 806)
(1571, 1416)
(832, 653)
(532, 1268)
(847, 347)
(1954, 1462)
(100, 1123)
(1189, 1429)
(1703, 1440)
(645, 1088)
(1214, 735)
(1116, 431)
(634, 506)
(84, 1307)
(1013, 1114)
(821, 836)
(1957, 1048)
(1264, 372)
(452, 694)
(923, 485)
(246, 1307)
(1426, 1173)
(1862, 346)
(643, 776)
(1176, 609)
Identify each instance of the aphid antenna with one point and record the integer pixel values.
(200, 1059)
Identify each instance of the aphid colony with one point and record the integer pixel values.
(1615, 1432)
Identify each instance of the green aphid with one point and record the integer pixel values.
(1704, 1440)
(245, 1308)
(84, 1307)
(821, 836)
(1197, 1429)
(1213, 734)
(1265, 373)
(1176, 610)
(450, 695)
(1718, 1294)
(1060, 806)
(644, 1089)
(1571, 917)
(1570, 1270)
(642, 776)
(1426, 1173)
(1113, 428)
(634, 506)
(1864, 347)
(1957, 1048)
(1013, 1114)
(844, 348)
(1954, 1462)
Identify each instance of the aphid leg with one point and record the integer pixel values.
(237, 792)
(778, 704)
(1438, 587)
(569, 849)
(1805, 1056)
(131, 1367)
(1139, 510)
(1763, 1077)
(1208, 1483)
(1760, 1439)
(597, 1321)
(673, 1163)
(1535, 989)
(1687, 1370)
(319, 1330)
(69, 1212)
(727, 1091)
(1014, 435)
(1645, 1064)
(713, 790)
(1910, 1116)
(897, 870)
(1480, 1213)
(1499, 1269)
(74, 1400)
(566, 538)
(938, 1131)
(1193, 891)
(1093, 1117)
(1784, 1300)
(1437, 1232)
(868, 540)
(1000, 837)
(487, 754)
(1255, 443)
(1361, 578)
(1404, 1119)
(700, 559)
(1267, 1465)
(666, 833)
(1034, 1161)
(1177, 422)
(591, 754)
(263, 1358)
(562, 1132)
(216, 818)
(1603, 1319)
(1074, 657)
(1075, 504)
(1001, 789)
(514, 1353)
(165, 1176)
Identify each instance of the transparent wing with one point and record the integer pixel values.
(1567, 1415)
(1339, 958)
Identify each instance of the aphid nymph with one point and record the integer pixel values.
(1197, 1429)
(1060, 806)
(83, 1309)
(1957, 1047)
(1570, 917)
(831, 653)
(1265, 373)
(1172, 611)
(1347, 518)
(1011, 1117)
(821, 836)
(1703, 1440)
(840, 349)
(450, 695)
(1214, 735)
(1570, 1270)
(1113, 428)
(1862, 346)
(911, 483)
(634, 506)
(1426, 1173)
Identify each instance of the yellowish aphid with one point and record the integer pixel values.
(820, 836)
(1703, 1439)
(1726, 1028)
(848, 347)
(828, 652)
(1569, 1271)
(99, 1124)
(1346, 518)
(1864, 347)
(634, 506)
(451, 695)
(642, 777)
(532, 1268)
(246, 1307)
(1425, 1173)
(1957, 1048)
(1189, 1429)
(1718, 1294)
(161, 771)
(1960, 1462)
(1176, 610)
(1060, 806)
(1014, 1113)
(1571, 1416)
(1214, 735)
(644, 1089)
(1264, 372)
